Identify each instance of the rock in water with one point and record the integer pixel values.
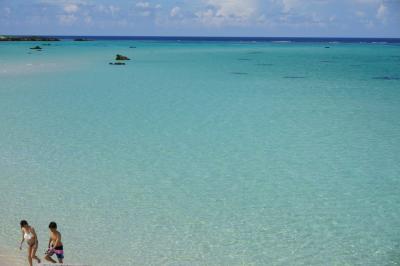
(37, 47)
(121, 57)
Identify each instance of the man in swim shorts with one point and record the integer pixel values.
(55, 245)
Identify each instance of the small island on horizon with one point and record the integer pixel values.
(8, 38)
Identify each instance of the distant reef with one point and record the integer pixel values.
(5, 38)
(82, 40)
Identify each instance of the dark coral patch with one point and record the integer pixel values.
(239, 73)
(264, 64)
(387, 78)
(294, 77)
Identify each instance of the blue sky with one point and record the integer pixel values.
(318, 18)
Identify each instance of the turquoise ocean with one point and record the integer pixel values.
(203, 153)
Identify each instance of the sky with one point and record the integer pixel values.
(266, 18)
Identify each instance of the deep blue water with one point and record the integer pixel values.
(239, 39)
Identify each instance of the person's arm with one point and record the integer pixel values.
(22, 241)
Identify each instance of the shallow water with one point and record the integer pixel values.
(191, 155)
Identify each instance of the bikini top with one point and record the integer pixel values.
(28, 235)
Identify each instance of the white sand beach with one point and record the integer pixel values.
(8, 258)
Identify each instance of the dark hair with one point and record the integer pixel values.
(53, 225)
(23, 223)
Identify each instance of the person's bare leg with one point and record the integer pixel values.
(48, 258)
(33, 253)
(29, 255)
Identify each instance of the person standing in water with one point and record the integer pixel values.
(29, 234)
(55, 245)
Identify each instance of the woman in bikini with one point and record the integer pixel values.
(29, 234)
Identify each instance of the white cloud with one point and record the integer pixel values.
(360, 14)
(289, 4)
(381, 12)
(145, 13)
(64, 3)
(71, 8)
(68, 19)
(368, 1)
(175, 11)
(236, 15)
(206, 17)
(146, 9)
(228, 12)
(262, 19)
(370, 24)
(113, 9)
(102, 8)
(122, 23)
(143, 4)
(88, 20)
(110, 9)
(6, 11)
(234, 8)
